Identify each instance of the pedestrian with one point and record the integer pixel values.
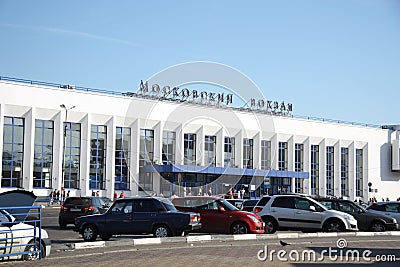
(122, 195)
(51, 198)
(58, 196)
(68, 193)
(115, 195)
(97, 193)
(93, 194)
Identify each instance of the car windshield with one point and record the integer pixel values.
(227, 205)
(317, 204)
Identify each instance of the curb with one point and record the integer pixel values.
(221, 238)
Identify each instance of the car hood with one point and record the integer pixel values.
(337, 212)
(384, 217)
(17, 198)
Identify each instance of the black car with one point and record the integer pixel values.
(140, 215)
(249, 204)
(78, 206)
(367, 221)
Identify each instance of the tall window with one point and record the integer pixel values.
(43, 155)
(13, 152)
(314, 169)
(265, 155)
(247, 153)
(283, 156)
(209, 150)
(146, 157)
(168, 147)
(98, 144)
(189, 147)
(344, 171)
(330, 170)
(359, 172)
(299, 166)
(122, 157)
(229, 152)
(72, 153)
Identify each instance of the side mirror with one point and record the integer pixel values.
(312, 208)
(220, 208)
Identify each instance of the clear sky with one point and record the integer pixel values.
(331, 59)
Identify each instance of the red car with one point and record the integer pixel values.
(219, 216)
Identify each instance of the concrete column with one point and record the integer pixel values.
(110, 158)
(200, 161)
(179, 148)
(239, 149)
(134, 161)
(85, 156)
(257, 151)
(29, 146)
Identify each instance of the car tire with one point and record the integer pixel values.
(33, 254)
(334, 225)
(161, 230)
(377, 227)
(105, 237)
(270, 225)
(239, 228)
(89, 233)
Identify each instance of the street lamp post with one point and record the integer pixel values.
(65, 141)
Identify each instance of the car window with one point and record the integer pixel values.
(346, 207)
(4, 218)
(263, 201)
(226, 205)
(146, 205)
(302, 204)
(327, 204)
(377, 207)
(77, 202)
(392, 207)
(121, 207)
(283, 202)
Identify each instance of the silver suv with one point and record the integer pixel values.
(301, 212)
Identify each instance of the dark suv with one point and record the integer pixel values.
(139, 215)
(367, 221)
(78, 206)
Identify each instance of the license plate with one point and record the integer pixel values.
(74, 209)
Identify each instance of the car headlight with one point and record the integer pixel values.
(394, 220)
(254, 219)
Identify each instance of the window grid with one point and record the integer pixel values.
(314, 169)
(122, 158)
(298, 166)
(209, 150)
(168, 148)
(43, 154)
(265, 155)
(359, 173)
(330, 167)
(229, 152)
(283, 156)
(13, 152)
(344, 172)
(247, 153)
(189, 149)
(146, 157)
(72, 152)
(98, 144)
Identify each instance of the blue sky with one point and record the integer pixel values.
(331, 59)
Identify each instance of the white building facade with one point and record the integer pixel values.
(77, 140)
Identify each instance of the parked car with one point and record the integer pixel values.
(367, 221)
(301, 212)
(78, 206)
(140, 215)
(390, 208)
(219, 216)
(238, 203)
(248, 204)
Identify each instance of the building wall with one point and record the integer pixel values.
(39, 102)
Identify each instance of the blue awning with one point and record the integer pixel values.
(172, 168)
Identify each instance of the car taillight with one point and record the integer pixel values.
(91, 208)
(257, 209)
(63, 208)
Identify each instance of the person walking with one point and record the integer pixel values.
(122, 195)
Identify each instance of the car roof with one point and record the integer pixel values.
(201, 197)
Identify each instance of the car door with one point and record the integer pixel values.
(145, 214)
(282, 209)
(213, 217)
(307, 217)
(118, 220)
(5, 235)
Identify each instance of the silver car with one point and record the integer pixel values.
(303, 213)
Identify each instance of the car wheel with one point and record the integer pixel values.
(105, 237)
(334, 226)
(33, 249)
(377, 227)
(270, 225)
(161, 231)
(89, 233)
(239, 228)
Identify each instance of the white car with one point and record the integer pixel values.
(18, 237)
(303, 213)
